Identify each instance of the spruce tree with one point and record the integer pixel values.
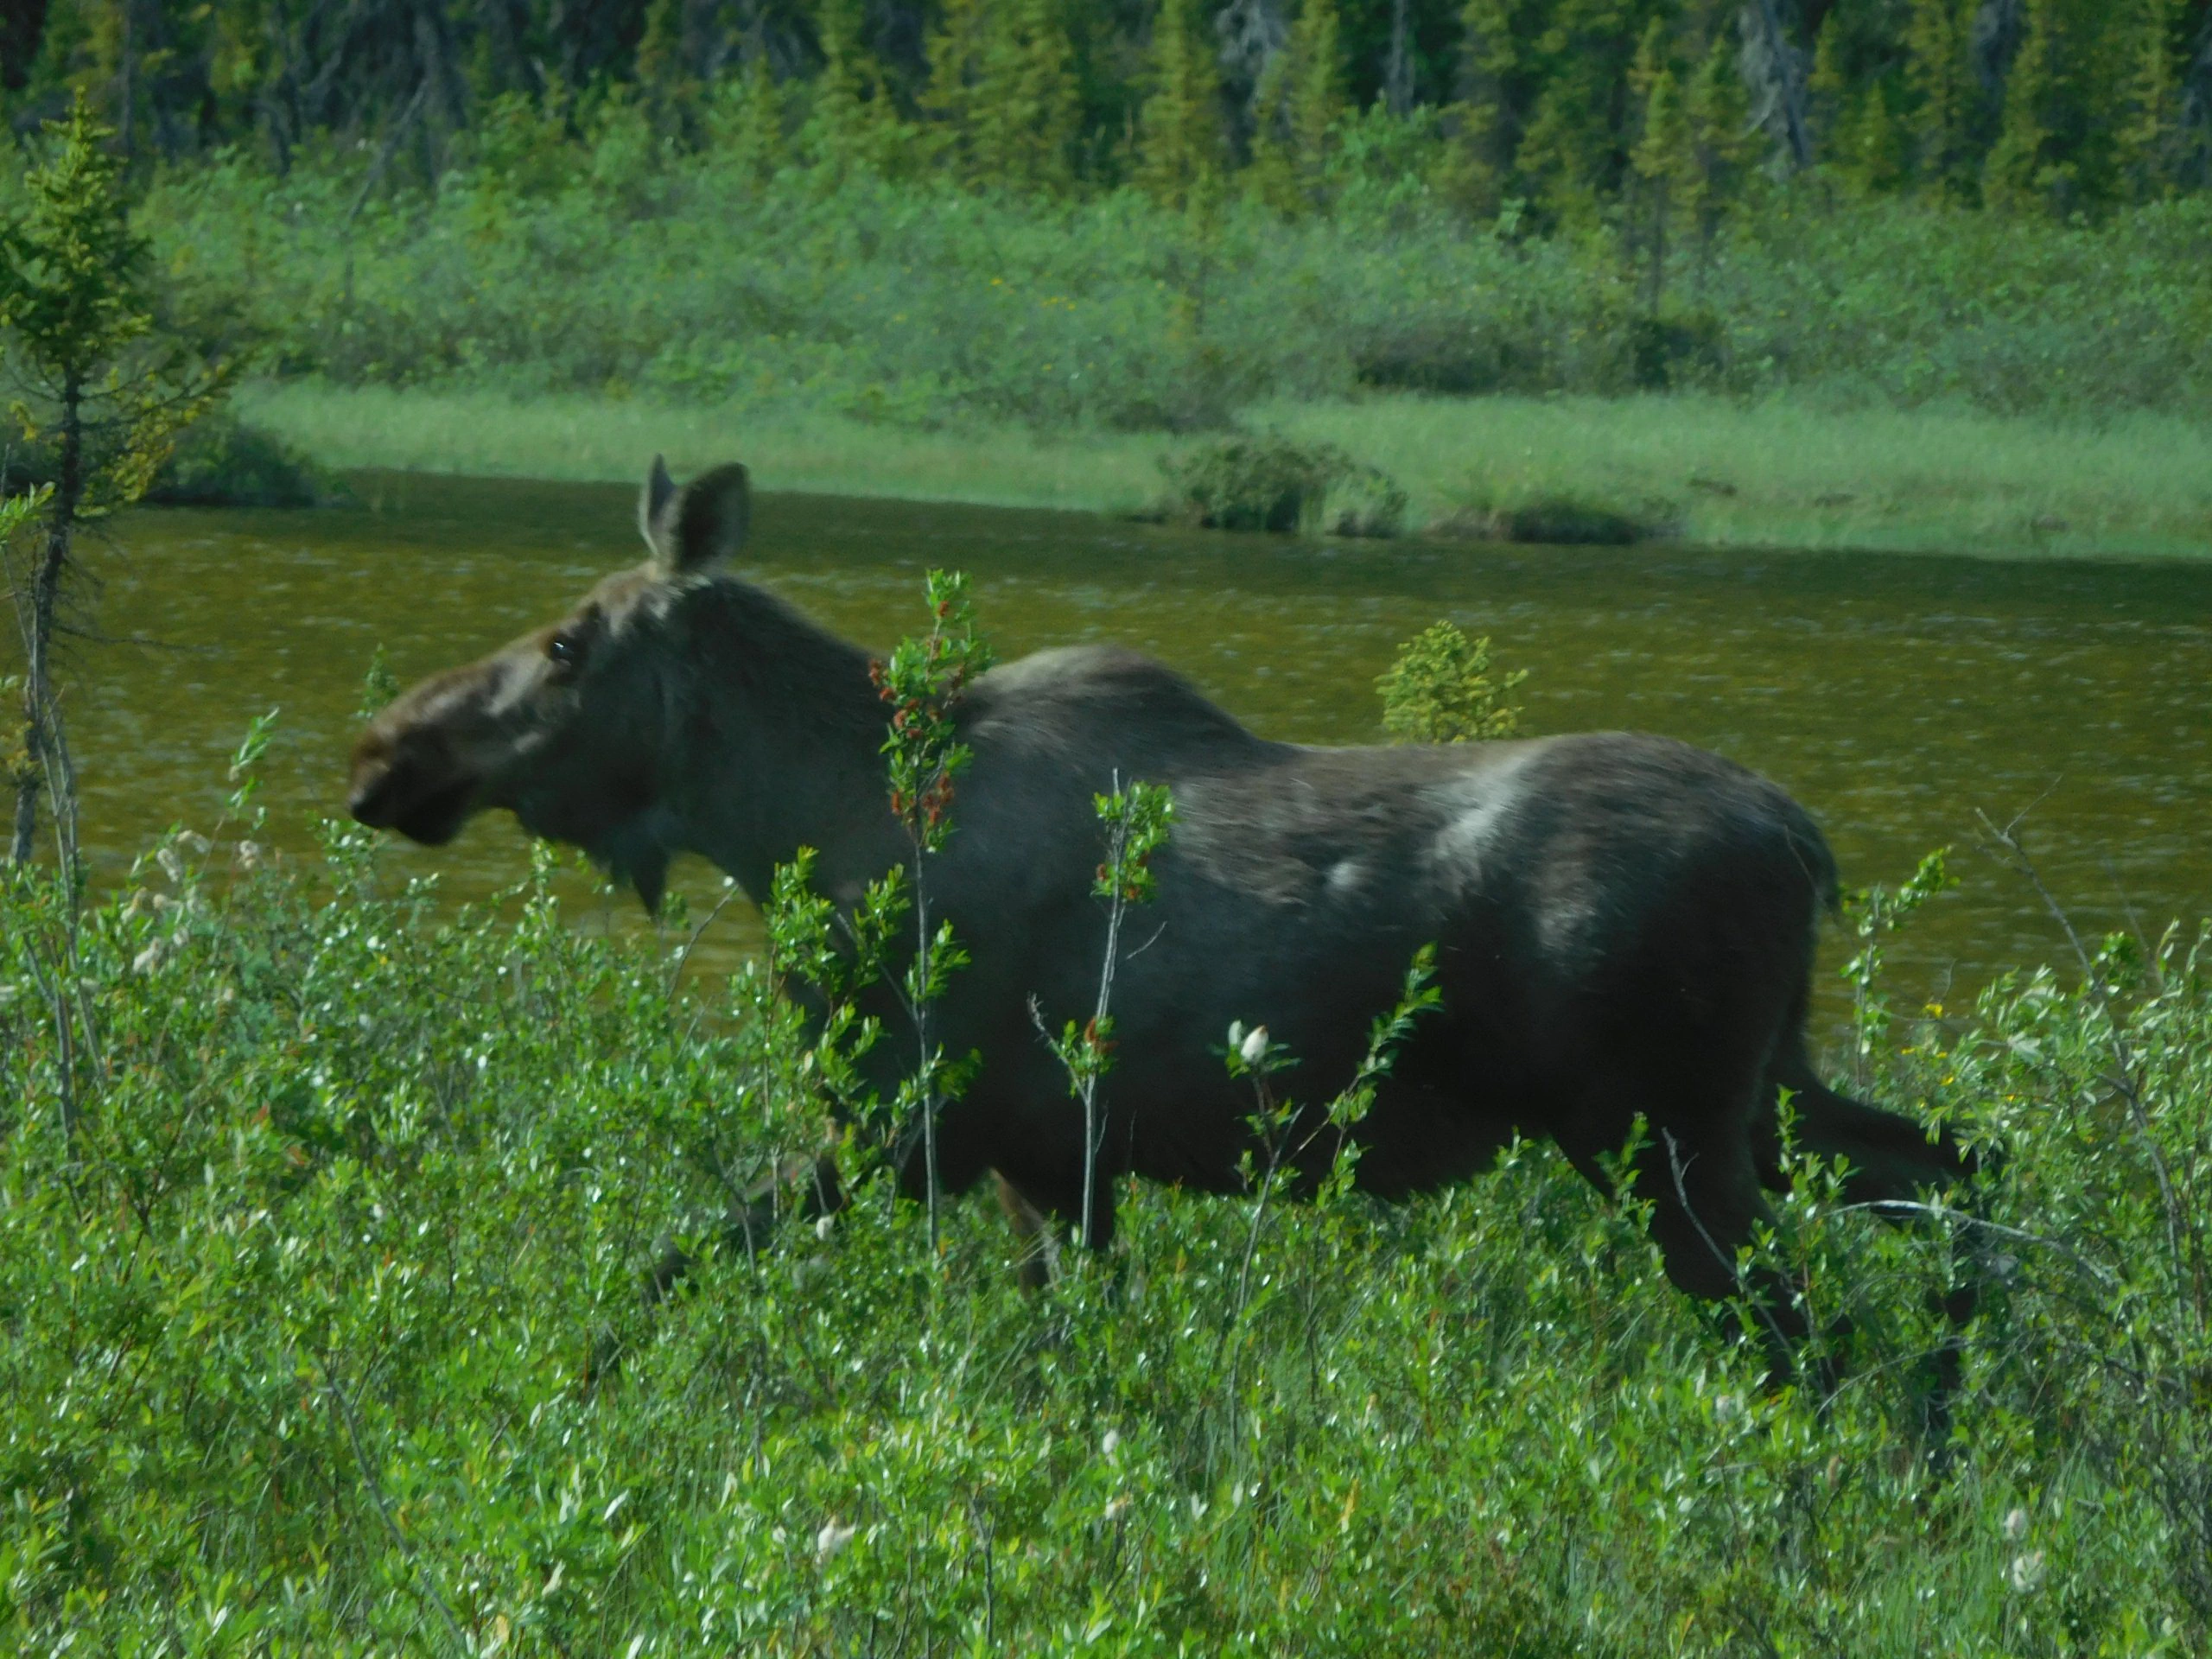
(1179, 140)
(746, 124)
(1717, 118)
(1031, 105)
(1661, 159)
(1826, 89)
(2022, 172)
(1271, 175)
(953, 96)
(2147, 140)
(853, 125)
(78, 319)
(1939, 79)
(664, 71)
(1318, 103)
(1572, 151)
(1301, 107)
(1478, 142)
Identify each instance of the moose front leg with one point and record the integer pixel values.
(805, 1189)
(1038, 1229)
(1038, 1263)
(802, 1189)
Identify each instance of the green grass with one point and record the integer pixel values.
(572, 437)
(1771, 474)
(1780, 475)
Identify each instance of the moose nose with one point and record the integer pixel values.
(371, 794)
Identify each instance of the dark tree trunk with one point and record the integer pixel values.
(1992, 44)
(1398, 71)
(46, 752)
(22, 26)
(2197, 106)
(1251, 33)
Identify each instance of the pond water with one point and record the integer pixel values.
(1896, 696)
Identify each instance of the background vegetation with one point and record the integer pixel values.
(316, 1237)
(1145, 217)
(1562, 105)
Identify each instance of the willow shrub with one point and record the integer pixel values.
(627, 268)
(302, 1318)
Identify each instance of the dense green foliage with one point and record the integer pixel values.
(1560, 105)
(1444, 689)
(1270, 482)
(1004, 212)
(304, 1275)
(619, 267)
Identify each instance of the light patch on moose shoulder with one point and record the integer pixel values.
(1345, 876)
(1473, 808)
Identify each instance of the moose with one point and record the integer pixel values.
(1623, 925)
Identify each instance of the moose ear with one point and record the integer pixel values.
(653, 502)
(699, 525)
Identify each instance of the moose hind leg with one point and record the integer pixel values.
(1890, 1156)
(1039, 1262)
(1890, 1160)
(1695, 1166)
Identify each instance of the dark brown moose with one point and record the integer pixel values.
(1624, 924)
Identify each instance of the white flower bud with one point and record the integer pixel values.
(1254, 1048)
(831, 1541)
(2016, 1524)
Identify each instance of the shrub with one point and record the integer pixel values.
(1440, 689)
(1557, 521)
(1270, 482)
(220, 462)
(926, 305)
(306, 1253)
(224, 462)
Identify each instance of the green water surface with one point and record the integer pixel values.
(1896, 696)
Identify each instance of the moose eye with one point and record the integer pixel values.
(564, 650)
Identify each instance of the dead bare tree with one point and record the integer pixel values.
(1773, 68)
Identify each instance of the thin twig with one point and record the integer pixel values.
(1946, 1212)
(683, 956)
(2187, 1263)
(384, 1507)
(1682, 1193)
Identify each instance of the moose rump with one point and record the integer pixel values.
(1624, 924)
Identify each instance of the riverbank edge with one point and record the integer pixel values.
(1701, 471)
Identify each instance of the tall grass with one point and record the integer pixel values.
(1782, 473)
(302, 1312)
(579, 437)
(1712, 470)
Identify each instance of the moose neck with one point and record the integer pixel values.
(778, 744)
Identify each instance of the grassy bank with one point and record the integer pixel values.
(1708, 469)
(310, 1233)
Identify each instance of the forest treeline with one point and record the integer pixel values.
(1545, 111)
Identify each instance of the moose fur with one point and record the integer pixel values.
(1625, 924)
